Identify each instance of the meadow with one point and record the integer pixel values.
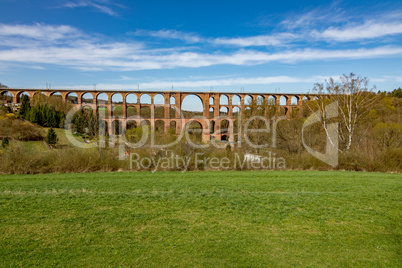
(201, 219)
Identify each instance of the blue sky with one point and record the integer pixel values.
(261, 46)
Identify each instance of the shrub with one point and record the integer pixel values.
(4, 142)
(388, 134)
(17, 159)
(19, 130)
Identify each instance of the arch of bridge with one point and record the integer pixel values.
(6, 91)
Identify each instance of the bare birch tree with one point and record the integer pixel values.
(353, 100)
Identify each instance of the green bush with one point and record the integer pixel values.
(17, 159)
(51, 137)
(19, 130)
(5, 142)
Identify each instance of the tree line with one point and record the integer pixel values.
(51, 112)
(42, 114)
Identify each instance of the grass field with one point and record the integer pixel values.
(237, 219)
(39, 146)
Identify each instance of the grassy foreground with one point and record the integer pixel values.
(247, 218)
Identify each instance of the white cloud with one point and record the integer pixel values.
(389, 78)
(101, 6)
(368, 30)
(39, 31)
(128, 57)
(333, 23)
(169, 34)
(279, 39)
(347, 33)
(318, 17)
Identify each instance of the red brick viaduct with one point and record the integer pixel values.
(218, 115)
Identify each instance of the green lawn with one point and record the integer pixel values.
(62, 139)
(35, 146)
(208, 219)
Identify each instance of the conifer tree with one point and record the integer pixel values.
(51, 117)
(33, 115)
(51, 137)
(25, 107)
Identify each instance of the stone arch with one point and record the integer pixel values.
(117, 98)
(87, 98)
(224, 126)
(172, 100)
(145, 112)
(20, 94)
(117, 111)
(283, 100)
(7, 96)
(294, 100)
(236, 100)
(159, 99)
(272, 100)
(87, 108)
(223, 111)
(224, 138)
(71, 97)
(41, 96)
(305, 99)
(211, 100)
(38, 93)
(117, 127)
(130, 124)
(159, 112)
(192, 105)
(102, 111)
(195, 130)
(248, 100)
(224, 100)
(260, 100)
(102, 98)
(145, 99)
(236, 111)
(131, 98)
(56, 94)
(131, 111)
(160, 126)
